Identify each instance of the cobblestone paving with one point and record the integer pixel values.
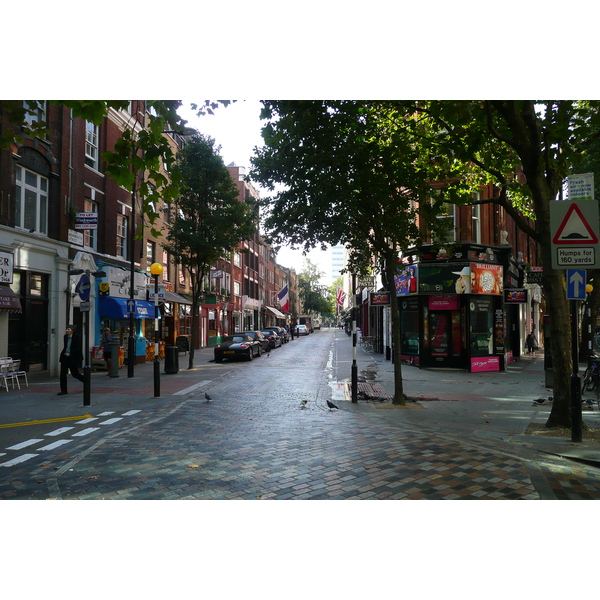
(240, 446)
(256, 441)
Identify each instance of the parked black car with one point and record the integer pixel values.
(282, 332)
(258, 335)
(238, 346)
(273, 337)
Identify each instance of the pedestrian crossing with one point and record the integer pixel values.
(37, 446)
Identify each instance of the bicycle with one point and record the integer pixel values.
(591, 377)
(368, 344)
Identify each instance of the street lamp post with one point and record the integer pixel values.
(156, 269)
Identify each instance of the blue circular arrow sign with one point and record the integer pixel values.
(83, 287)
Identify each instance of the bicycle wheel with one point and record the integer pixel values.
(588, 382)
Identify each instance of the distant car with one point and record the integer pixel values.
(258, 335)
(237, 346)
(282, 332)
(273, 337)
(302, 330)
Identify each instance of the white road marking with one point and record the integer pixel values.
(85, 431)
(131, 412)
(105, 414)
(55, 444)
(19, 459)
(59, 431)
(110, 421)
(88, 420)
(191, 388)
(24, 444)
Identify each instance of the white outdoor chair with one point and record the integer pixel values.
(7, 374)
(16, 372)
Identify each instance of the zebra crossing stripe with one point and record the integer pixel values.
(16, 461)
(59, 431)
(110, 421)
(85, 431)
(24, 444)
(55, 444)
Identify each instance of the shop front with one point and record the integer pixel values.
(452, 315)
(115, 307)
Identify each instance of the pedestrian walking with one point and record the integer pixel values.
(71, 358)
(106, 348)
(531, 343)
(292, 330)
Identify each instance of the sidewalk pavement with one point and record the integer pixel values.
(39, 401)
(494, 407)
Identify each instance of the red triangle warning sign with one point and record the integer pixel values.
(575, 229)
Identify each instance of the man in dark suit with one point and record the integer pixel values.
(71, 358)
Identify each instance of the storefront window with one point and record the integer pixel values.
(409, 323)
(482, 327)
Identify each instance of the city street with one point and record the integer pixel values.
(268, 433)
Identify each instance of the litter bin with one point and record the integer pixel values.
(171, 360)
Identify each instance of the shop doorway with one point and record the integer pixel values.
(445, 334)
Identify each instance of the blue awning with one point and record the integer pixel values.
(117, 308)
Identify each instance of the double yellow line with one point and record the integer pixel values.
(44, 421)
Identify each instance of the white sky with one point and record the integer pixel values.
(236, 128)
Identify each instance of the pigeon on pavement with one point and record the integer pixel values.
(331, 405)
(208, 398)
(539, 401)
(303, 403)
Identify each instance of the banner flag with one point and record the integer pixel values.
(284, 300)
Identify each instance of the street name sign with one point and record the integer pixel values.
(575, 231)
(576, 281)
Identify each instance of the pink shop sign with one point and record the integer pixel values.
(444, 302)
(485, 363)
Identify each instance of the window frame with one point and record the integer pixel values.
(91, 142)
(90, 236)
(122, 236)
(41, 212)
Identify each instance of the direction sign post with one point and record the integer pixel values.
(576, 282)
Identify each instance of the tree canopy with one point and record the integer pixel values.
(207, 219)
(349, 177)
(354, 170)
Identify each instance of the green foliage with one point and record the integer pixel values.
(315, 297)
(208, 221)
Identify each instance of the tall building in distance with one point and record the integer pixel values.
(337, 262)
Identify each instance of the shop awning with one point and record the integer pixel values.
(117, 308)
(173, 297)
(278, 314)
(9, 301)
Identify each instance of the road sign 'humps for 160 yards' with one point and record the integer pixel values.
(575, 234)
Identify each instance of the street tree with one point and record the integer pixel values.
(207, 221)
(348, 177)
(488, 141)
(313, 294)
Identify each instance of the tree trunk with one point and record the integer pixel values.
(390, 272)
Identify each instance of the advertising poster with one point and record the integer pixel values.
(379, 298)
(486, 279)
(515, 296)
(406, 281)
(445, 279)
